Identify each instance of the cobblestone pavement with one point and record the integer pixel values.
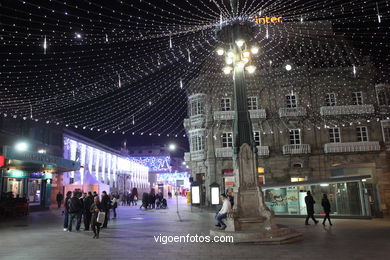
(131, 236)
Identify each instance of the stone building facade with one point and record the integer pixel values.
(309, 124)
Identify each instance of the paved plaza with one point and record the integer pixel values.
(131, 236)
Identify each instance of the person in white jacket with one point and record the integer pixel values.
(226, 208)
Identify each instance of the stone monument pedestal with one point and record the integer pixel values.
(251, 220)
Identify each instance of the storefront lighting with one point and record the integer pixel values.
(324, 184)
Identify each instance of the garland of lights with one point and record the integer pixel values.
(79, 65)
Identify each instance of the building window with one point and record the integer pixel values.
(252, 103)
(291, 100)
(226, 104)
(197, 143)
(295, 136)
(227, 139)
(357, 98)
(383, 96)
(334, 135)
(362, 133)
(256, 137)
(330, 99)
(386, 131)
(197, 108)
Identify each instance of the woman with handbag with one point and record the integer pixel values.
(97, 216)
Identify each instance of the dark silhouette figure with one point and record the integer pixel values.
(310, 208)
(105, 204)
(326, 205)
(88, 201)
(59, 199)
(75, 211)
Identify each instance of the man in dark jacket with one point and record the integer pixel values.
(75, 211)
(106, 202)
(59, 199)
(66, 210)
(310, 208)
(88, 201)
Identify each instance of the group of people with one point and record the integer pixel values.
(152, 200)
(129, 199)
(228, 202)
(309, 201)
(79, 206)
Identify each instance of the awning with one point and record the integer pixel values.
(37, 162)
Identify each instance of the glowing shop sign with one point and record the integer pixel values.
(267, 19)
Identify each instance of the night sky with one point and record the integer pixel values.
(118, 70)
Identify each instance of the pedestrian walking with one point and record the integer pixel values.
(114, 205)
(88, 201)
(105, 203)
(326, 205)
(129, 199)
(145, 201)
(310, 208)
(96, 207)
(59, 199)
(75, 211)
(66, 210)
(134, 193)
(152, 199)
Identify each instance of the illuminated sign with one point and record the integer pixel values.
(2, 160)
(267, 19)
(39, 158)
(195, 194)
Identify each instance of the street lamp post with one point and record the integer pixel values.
(237, 54)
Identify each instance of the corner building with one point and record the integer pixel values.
(323, 125)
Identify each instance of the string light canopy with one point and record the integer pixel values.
(124, 67)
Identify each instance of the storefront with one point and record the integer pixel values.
(348, 196)
(29, 175)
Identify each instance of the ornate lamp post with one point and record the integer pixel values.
(251, 217)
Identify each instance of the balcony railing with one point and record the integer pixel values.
(296, 149)
(257, 113)
(197, 155)
(351, 147)
(223, 115)
(346, 110)
(224, 152)
(187, 157)
(194, 122)
(227, 152)
(262, 150)
(229, 115)
(292, 111)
